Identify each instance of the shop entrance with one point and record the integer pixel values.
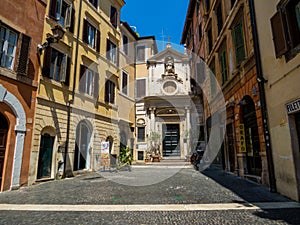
(254, 166)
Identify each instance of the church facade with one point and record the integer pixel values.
(164, 114)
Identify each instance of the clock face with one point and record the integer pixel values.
(169, 87)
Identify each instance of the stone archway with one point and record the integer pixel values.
(20, 128)
(46, 153)
(82, 146)
(113, 157)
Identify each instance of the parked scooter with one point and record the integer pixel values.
(196, 158)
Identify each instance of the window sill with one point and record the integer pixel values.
(54, 82)
(15, 76)
(126, 96)
(292, 53)
(140, 62)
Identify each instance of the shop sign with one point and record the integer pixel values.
(242, 138)
(293, 107)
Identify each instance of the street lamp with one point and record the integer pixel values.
(57, 34)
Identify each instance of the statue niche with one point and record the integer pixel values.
(170, 69)
(169, 66)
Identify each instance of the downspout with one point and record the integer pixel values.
(134, 96)
(71, 101)
(261, 81)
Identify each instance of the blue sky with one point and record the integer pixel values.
(156, 17)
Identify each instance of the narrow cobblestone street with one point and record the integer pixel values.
(187, 197)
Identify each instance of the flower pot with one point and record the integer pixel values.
(155, 158)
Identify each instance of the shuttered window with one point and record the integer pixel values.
(114, 16)
(200, 69)
(219, 17)
(91, 35)
(8, 46)
(279, 38)
(111, 51)
(94, 3)
(140, 88)
(124, 83)
(125, 44)
(207, 5)
(56, 65)
(239, 44)
(89, 81)
(232, 3)
(141, 53)
(223, 66)
(285, 26)
(213, 85)
(63, 13)
(141, 134)
(200, 31)
(24, 55)
(209, 39)
(110, 92)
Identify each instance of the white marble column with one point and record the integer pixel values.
(18, 156)
(152, 119)
(188, 129)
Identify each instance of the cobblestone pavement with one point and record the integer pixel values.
(185, 187)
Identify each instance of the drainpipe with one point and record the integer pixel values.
(261, 81)
(71, 101)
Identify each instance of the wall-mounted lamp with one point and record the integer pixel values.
(242, 102)
(261, 79)
(57, 34)
(254, 91)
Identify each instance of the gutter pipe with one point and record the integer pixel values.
(261, 81)
(71, 101)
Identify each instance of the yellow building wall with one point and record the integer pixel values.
(53, 96)
(282, 87)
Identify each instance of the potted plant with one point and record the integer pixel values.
(154, 148)
(148, 156)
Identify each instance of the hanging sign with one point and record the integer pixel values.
(242, 138)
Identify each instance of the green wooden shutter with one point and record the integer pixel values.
(238, 37)
(223, 66)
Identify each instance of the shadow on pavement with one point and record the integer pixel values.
(291, 216)
(253, 192)
(246, 189)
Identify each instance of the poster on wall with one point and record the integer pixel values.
(105, 155)
(242, 138)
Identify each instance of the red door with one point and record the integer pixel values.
(3, 135)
